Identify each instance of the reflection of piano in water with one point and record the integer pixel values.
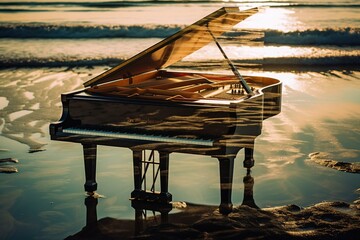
(141, 105)
(149, 216)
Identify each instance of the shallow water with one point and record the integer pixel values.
(47, 50)
(319, 113)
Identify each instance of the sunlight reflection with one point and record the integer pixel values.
(272, 18)
(288, 79)
(316, 108)
(282, 53)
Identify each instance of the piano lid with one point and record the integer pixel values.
(177, 46)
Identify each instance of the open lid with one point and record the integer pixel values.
(177, 46)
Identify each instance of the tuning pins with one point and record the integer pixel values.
(236, 89)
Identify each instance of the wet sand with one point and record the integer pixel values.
(325, 220)
(326, 160)
(30, 99)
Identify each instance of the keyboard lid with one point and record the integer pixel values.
(177, 46)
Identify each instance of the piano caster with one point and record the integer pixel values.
(225, 208)
(90, 187)
(249, 158)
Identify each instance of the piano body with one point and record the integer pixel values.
(142, 104)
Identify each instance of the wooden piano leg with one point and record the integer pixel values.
(164, 177)
(249, 158)
(90, 167)
(226, 177)
(137, 168)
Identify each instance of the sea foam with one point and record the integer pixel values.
(330, 36)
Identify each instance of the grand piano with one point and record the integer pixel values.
(144, 104)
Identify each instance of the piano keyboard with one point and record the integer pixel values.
(140, 137)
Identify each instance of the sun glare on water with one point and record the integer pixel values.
(272, 18)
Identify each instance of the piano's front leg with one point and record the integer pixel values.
(90, 167)
(137, 168)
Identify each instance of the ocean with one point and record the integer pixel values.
(49, 33)
(53, 46)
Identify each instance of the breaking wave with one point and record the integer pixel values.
(53, 62)
(338, 37)
(280, 62)
(315, 37)
(86, 31)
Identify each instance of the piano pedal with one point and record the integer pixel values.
(147, 196)
(90, 186)
(151, 206)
